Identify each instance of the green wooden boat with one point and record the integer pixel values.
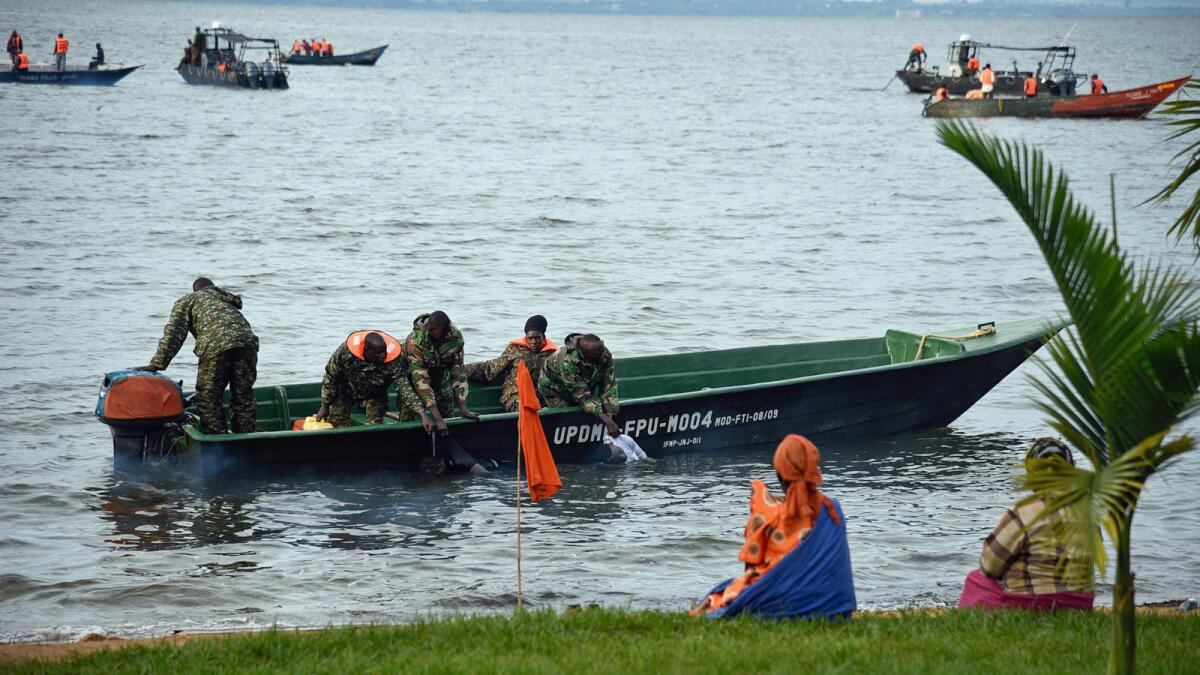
(671, 403)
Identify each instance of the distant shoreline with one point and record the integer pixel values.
(750, 8)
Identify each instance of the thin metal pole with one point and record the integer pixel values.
(520, 598)
(1112, 196)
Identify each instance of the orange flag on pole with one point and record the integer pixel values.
(541, 472)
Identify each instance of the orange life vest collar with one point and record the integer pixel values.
(357, 339)
(547, 345)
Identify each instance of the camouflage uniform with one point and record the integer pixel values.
(506, 364)
(227, 351)
(568, 380)
(351, 381)
(436, 371)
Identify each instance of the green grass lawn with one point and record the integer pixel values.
(617, 641)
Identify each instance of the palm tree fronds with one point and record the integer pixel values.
(1187, 112)
(1107, 390)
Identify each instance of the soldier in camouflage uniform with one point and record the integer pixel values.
(434, 350)
(227, 351)
(534, 349)
(359, 373)
(581, 373)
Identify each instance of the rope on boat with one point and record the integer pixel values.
(982, 330)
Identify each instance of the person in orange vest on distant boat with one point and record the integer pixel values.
(328, 49)
(15, 46)
(972, 65)
(941, 93)
(297, 47)
(916, 56)
(1098, 85)
(61, 44)
(1031, 86)
(22, 64)
(987, 81)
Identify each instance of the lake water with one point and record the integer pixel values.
(670, 183)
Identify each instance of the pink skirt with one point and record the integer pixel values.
(980, 591)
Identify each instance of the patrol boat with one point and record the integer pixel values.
(231, 59)
(48, 73)
(1056, 66)
(749, 397)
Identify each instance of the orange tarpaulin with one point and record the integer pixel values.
(539, 463)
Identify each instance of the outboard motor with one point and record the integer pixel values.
(144, 411)
(1063, 81)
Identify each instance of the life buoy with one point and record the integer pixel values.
(354, 342)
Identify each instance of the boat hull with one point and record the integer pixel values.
(367, 57)
(871, 401)
(925, 82)
(235, 80)
(1127, 104)
(103, 76)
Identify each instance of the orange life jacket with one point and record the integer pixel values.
(547, 345)
(297, 47)
(1030, 86)
(357, 339)
(60, 45)
(221, 67)
(972, 63)
(1097, 85)
(326, 47)
(919, 48)
(986, 77)
(22, 61)
(18, 44)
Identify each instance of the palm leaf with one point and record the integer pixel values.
(1089, 498)
(1187, 112)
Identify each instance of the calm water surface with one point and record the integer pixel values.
(672, 184)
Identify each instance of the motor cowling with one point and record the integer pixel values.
(144, 411)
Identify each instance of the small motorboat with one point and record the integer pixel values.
(47, 73)
(367, 57)
(1129, 103)
(230, 59)
(747, 398)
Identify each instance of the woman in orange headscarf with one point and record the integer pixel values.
(778, 524)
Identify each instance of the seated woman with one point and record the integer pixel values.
(796, 555)
(533, 349)
(1023, 565)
